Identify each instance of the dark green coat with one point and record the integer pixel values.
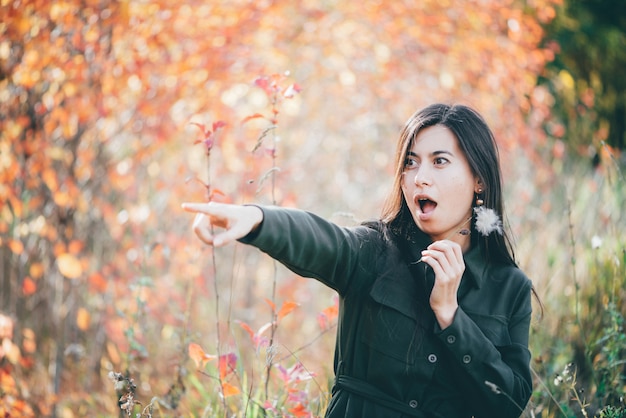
(391, 358)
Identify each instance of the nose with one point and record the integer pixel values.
(422, 176)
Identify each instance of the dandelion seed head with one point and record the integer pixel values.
(487, 221)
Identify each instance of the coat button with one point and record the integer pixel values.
(467, 359)
(413, 403)
(451, 339)
(432, 358)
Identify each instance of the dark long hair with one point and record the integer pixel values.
(479, 146)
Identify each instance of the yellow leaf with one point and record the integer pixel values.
(83, 319)
(69, 266)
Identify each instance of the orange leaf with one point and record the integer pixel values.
(197, 354)
(272, 305)
(229, 390)
(16, 246)
(331, 312)
(300, 411)
(29, 286)
(219, 196)
(83, 319)
(62, 198)
(247, 328)
(98, 282)
(286, 309)
(69, 266)
(75, 246)
(255, 116)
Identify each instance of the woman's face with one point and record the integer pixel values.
(438, 185)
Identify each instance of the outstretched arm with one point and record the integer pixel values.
(236, 220)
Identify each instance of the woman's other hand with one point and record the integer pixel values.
(446, 259)
(236, 220)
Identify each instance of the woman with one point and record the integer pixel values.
(434, 313)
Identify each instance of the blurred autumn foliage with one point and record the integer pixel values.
(589, 106)
(112, 113)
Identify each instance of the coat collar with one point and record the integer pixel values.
(475, 260)
(393, 288)
(476, 265)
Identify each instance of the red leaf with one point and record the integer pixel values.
(217, 125)
(263, 82)
(227, 364)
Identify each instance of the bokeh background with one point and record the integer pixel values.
(113, 113)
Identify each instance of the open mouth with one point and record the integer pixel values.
(426, 205)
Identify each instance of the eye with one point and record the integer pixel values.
(441, 161)
(410, 162)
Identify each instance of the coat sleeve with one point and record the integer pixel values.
(492, 352)
(313, 247)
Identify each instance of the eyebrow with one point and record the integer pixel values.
(432, 154)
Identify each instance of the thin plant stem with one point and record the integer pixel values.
(269, 359)
(572, 243)
(540, 380)
(215, 288)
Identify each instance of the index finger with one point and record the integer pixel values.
(448, 247)
(209, 208)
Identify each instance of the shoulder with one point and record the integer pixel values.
(512, 284)
(510, 273)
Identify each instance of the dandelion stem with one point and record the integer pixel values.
(498, 391)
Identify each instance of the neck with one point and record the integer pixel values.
(460, 235)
